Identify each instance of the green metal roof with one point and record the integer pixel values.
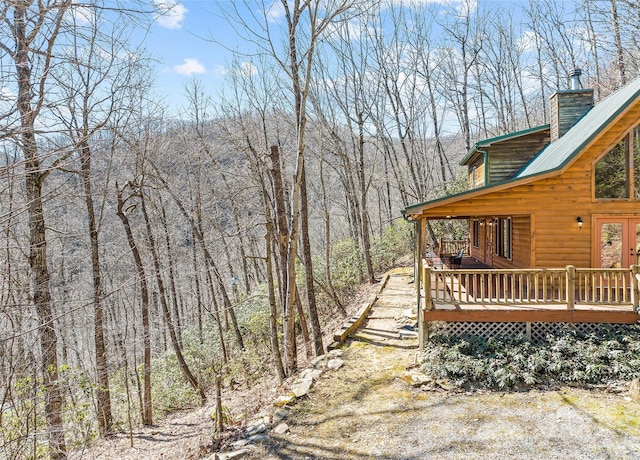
(557, 154)
(504, 137)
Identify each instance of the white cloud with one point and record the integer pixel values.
(82, 14)
(351, 30)
(190, 66)
(275, 12)
(417, 3)
(220, 71)
(7, 96)
(170, 13)
(247, 69)
(527, 41)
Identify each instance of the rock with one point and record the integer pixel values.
(256, 438)
(334, 364)
(240, 443)
(266, 412)
(311, 373)
(280, 414)
(634, 390)
(284, 400)
(410, 313)
(446, 384)
(233, 455)
(256, 427)
(301, 387)
(407, 334)
(281, 428)
(416, 379)
(319, 361)
(336, 353)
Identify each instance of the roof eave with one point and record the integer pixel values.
(417, 209)
(478, 146)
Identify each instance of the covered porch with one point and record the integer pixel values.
(501, 278)
(475, 293)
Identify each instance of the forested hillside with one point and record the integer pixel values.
(143, 255)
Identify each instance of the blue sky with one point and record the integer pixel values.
(182, 42)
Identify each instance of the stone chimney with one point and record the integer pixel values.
(568, 106)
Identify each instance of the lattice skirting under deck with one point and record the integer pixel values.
(534, 332)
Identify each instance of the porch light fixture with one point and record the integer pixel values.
(579, 220)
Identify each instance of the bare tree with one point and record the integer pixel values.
(163, 301)
(146, 406)
(33, 31)
(97, 94)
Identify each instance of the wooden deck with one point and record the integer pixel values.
(532, 313)
(474, 293)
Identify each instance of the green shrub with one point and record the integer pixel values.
(394, 242)
(170, 390)
(567, 357)
(347, 264)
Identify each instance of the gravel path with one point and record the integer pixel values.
(366, 410)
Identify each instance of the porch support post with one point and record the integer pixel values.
(635, 286)
(417, 260)
(419, 282)
(571, 287)
(428, 305)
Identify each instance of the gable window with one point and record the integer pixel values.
(617, 174)
(503, 238)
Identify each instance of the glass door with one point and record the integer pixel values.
(617, 242)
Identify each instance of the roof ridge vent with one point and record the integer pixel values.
(574, 75)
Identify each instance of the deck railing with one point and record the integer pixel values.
(451, 247)
(568, 286)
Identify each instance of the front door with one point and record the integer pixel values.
(617, 242)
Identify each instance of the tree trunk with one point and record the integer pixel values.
(39, 270)
(147, 409)
(216, 317)
(316, 330)
(620, 61)
(286, 261)
(273, 311)
(364, 218)
(304, 329)
(172, 283)
(102, 390)
(327, 243)
(196, 280)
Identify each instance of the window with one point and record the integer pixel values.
(476, 233)
(617, 174)
(503, 238)
(474, 177)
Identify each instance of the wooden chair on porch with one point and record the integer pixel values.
(456, 261)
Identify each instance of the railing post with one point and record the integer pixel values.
(571, 287)
(635, 286)
(426, 277)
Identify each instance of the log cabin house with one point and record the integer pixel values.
(554, 221)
